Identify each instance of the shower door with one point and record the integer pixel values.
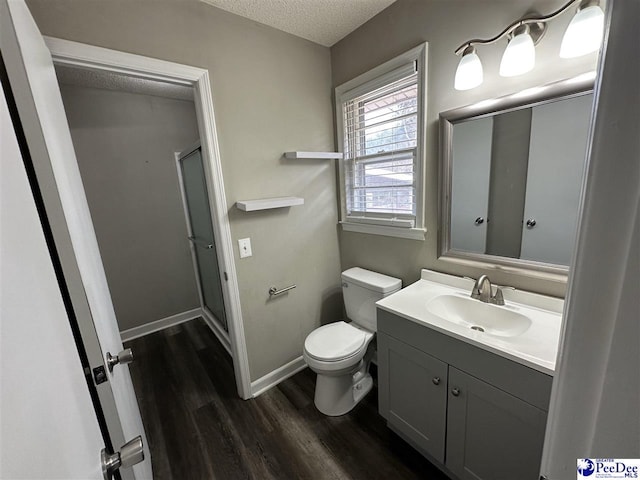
(201, 234)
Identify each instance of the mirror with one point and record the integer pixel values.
(511, 178)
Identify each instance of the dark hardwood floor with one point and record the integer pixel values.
(198, 427)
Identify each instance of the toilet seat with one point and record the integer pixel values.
(336, 342)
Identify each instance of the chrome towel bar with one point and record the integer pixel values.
(273, 291)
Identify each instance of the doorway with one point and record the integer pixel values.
(73, 54)
(195, 196)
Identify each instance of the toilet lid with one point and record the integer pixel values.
(335, 341)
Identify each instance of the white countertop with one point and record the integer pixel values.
(537, 347)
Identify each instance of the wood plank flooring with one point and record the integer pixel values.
(198, 427)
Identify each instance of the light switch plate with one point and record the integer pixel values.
(244, 244)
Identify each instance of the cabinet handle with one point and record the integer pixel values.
(455, 392)
(436, 380)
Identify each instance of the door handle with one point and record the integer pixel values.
(479, 221)
(531, 223)
(130, 454)
(124, 357)
(199, 243)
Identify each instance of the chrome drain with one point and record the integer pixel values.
(477, 328)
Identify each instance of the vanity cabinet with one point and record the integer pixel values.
(479, 415)
(415, 400)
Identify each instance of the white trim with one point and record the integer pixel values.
(217, 329)
(419, 54)
(80, 55)
(278, 375)
(157, 325)
(398, 232)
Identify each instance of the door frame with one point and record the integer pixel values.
(84, 56)
(208, 316)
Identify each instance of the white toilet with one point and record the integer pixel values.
(337, 352)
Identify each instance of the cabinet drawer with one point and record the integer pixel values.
(530, 385)
(412, 389)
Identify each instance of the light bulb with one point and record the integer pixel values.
(520, 55)
(584, 33)
(469, 73)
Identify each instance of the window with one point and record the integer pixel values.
(380, 119)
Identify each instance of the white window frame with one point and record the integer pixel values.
(419, 55)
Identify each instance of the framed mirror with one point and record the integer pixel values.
(511, 178)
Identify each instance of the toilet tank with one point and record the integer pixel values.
(362, 289)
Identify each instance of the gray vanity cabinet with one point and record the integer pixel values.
(415, 402)
(491, 435)
(477, 414)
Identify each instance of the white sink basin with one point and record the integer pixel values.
(526, 329)
(481, 317)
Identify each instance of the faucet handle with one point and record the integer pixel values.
(497, 298)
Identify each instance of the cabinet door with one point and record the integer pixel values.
(491, 435)
(412, 390)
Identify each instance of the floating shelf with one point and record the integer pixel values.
(267, 203)
(318, 155)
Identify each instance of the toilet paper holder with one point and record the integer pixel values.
(273, 291)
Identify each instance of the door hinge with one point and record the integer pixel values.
(226, 277)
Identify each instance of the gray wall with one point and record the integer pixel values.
(272, 93)
(445, 25)
(125, 146)
(508, 184)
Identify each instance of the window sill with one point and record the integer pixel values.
(398, 232)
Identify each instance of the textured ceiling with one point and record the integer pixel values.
(123, 83)
(321, 21)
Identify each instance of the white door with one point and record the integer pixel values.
(33, 81)
(48, 425)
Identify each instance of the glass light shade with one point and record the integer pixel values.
(519, 57)
(584, 33)
(469, 73)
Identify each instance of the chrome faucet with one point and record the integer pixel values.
(482, 291)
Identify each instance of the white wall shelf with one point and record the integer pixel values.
(267, 203)
(316, 155)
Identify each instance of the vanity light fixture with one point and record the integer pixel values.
(583, 35)
(520, 55)
(469, 73)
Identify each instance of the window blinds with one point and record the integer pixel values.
(380, 121)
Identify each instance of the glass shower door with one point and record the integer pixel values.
(199, 216)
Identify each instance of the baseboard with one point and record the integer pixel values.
(217, 330)
(161, 324)
(280, 374)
